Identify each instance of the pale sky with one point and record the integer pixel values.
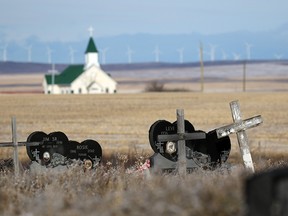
(68, 20)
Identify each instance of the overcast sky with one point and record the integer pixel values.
(68, 20)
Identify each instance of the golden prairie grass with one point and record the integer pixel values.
(120, 123)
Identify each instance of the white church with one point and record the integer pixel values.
(81, 79)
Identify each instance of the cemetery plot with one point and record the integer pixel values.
(55, 149)
(179, 147)
(202, 150)
(56, 144)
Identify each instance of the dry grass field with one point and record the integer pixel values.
(120, 123)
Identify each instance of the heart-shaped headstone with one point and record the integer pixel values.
(204, 152)
(86, 150)
(163, 127)
(48, 145)
(219, 148)
(209, 152)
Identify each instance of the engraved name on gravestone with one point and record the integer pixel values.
(88, 151)
(48, 145)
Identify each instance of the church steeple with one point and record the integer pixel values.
(91, 48)
(91, 53)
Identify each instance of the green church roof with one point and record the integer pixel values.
(91, 48)
(67, 76)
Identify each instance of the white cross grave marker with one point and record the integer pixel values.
(239, 127)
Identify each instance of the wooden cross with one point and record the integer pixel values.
(239, 127)
(180, 137)
(15, 145)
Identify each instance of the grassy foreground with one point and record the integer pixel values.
(120, 123)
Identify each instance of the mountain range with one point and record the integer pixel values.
(11, 67)
(143, 48)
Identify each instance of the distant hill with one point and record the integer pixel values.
(174, 48)
(23, 68)
(10, 67)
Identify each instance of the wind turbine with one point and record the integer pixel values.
(236, 56)
(103, 54)
(49, 54)
(5, 52)
(278, 56)
(224, 55)
(29, 53)
(129, 53)
(248, 50)
(181, 57)
(157, 53)
(71, 54)
(212, 52)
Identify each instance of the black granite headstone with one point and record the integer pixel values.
(86, 150)
(48, 145)
(207, 152)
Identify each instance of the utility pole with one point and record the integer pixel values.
(53, 71)
(244, 76)
(201, 67)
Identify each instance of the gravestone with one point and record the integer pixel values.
(267, 193)
(54, 149)
(48, 145)
(89, 151)
(201, 150)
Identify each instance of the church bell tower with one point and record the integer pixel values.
(91, 53)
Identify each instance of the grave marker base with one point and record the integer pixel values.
(162, 165)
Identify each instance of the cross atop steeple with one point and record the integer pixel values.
(91, 53)
(91, 29)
